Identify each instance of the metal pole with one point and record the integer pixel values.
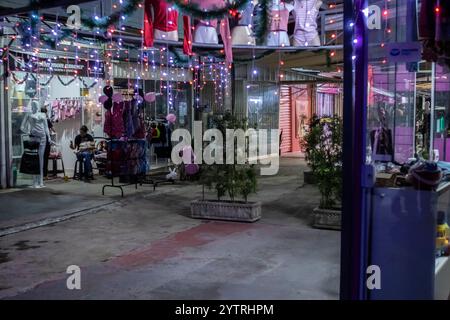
(433, 87)
(414, 114)
(353, 236)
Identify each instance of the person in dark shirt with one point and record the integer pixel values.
(84, 146)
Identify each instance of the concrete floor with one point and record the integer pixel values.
(146, 247)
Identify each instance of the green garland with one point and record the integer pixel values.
(263, 21)
(195, 11)
(179, 58)
(52, 41)
(104, 22)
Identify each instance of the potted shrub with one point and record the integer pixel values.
(324, 154)
(232, 180)
(307, 145)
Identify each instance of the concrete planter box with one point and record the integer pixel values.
(226, 210)
(327, 219)
(308, 177)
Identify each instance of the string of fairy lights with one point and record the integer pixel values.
(157, 62)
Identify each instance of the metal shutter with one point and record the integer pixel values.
(285, 119)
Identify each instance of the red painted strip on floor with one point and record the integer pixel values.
(173, 244)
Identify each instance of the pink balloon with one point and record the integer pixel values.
(102, 99)
(171, 118)
(117, 97)
(191, 169)
(150, 97)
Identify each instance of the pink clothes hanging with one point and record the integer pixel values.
(279, 20)
(114, 126)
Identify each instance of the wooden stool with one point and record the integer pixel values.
(55, 170)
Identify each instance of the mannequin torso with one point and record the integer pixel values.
(206, 30)
(279, 16)
(163, 25)
(305, 13)
(242, 33)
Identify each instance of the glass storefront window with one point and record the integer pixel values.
(404, 197)
(68, 107)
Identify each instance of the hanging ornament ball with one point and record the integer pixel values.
(150, 97)
(117, 97)
(108, 91)
(102, 99)
(171, 118)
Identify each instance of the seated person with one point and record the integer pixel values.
(84, 146)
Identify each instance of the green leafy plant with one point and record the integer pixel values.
(234, 179)
(322, 146)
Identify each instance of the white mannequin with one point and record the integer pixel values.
(242, 33)
(206, 34)
(278, 37)
(166, 35)
(305, 13)
(206, 30)
(37, 123)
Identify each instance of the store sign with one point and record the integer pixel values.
(82, 68)
(398, 52)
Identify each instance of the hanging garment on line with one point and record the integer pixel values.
(127, 157)
(114, 125)
(128, 119)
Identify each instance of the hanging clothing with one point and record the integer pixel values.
(187, 36)
(114, 124)
(279, 17)
(126, 158)
(38, 125)
(246, 15)
(128, 119)
(305, 14)
(242, 33)
(279, 20)
(224, 27)
(166, 20)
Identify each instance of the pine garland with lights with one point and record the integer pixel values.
(195, 11)
(46, 83)
(104, 22)
(261, 27)
(29, 29)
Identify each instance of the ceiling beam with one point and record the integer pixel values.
(39, 5)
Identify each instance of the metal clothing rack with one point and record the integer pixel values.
(112, 185)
